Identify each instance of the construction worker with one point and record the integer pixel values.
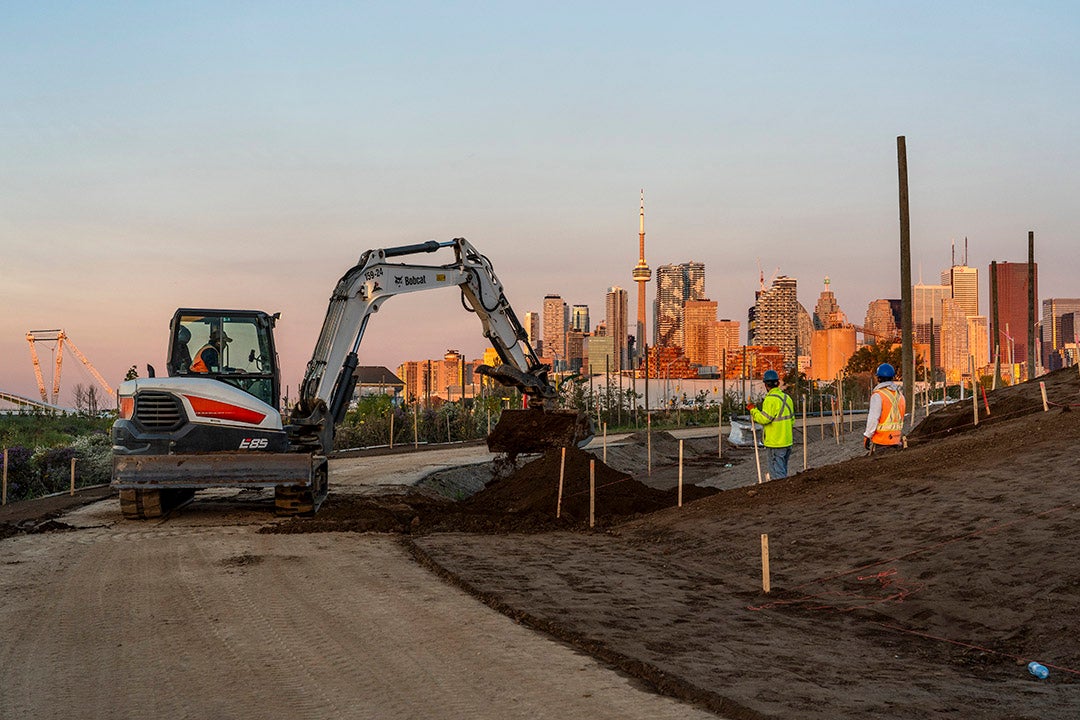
(209, 355)
(776, 416)
(885, 420)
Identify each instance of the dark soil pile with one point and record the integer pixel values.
(400, 513)
(524, 501)
(1006, 403)
(534, 490)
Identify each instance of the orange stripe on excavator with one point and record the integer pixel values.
(204, 407)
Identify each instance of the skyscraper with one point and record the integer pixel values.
(926, 306)
(700, 332)
(964, 284)
(1012, 334)
(953, 351)
(979, 340)
(675, 284)
(776, 318)
(556, 321)
(641, 275)
(827, 312)
(881, 321)
(727, 336)
(532, 330)
(579, 318)
(615, 307)
(1056, 332)
(953, 356)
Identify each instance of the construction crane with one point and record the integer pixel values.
(60, 338)
(761, 275)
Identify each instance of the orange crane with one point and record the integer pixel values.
(60, 338)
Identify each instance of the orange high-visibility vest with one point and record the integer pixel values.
(891, 421)
(198, 364)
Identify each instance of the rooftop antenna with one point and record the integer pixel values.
(965, 251)
(953, 264)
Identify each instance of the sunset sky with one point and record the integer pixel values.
(158, 155)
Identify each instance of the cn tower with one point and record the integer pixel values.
(641, 274)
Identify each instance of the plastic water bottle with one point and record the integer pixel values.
(1038, 670)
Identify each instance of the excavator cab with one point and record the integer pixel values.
(233, 346)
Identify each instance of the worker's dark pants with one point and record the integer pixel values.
(882, 450)
(777, 461)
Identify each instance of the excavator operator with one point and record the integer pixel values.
(209, 356)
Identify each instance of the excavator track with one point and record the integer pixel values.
(149, 504)
(292, 500)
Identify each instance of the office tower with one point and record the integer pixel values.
(599, 354)
(575, 350)
(777, 320)
(532, 330)
(880, 323)
(556, 324)
(979, 340)
(1011, 336)
(409, 372)
(675, 284)
(641, 275)
(926, 306)
(700, 332)
(615, 319)
(964, 284)
(1057, 330)
(827, 312)
(952, 351)
(727, 336)
(579, 318)
(455, 373)
(804, 329)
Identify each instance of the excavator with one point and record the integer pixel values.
(215, 420)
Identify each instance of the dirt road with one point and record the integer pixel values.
(200, 616)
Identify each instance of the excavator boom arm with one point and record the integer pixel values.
(329, 379)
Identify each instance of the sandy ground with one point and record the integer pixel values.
(201, 616)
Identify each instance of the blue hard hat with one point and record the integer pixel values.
(885, 371)
(771, 376)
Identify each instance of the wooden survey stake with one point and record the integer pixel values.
(592, 493)
(766, 584)
(680, 472)
(562, 472)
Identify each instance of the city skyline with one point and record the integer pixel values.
(244, 157)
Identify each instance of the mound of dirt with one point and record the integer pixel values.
(524, 501)
(1006, 403)
(534, 490)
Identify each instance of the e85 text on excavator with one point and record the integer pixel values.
(215, 421)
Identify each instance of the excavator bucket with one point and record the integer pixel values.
(536, 431)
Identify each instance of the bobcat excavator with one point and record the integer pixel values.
(215, 420)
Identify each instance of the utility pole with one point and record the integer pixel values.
(1031, 307)
(907, 352)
